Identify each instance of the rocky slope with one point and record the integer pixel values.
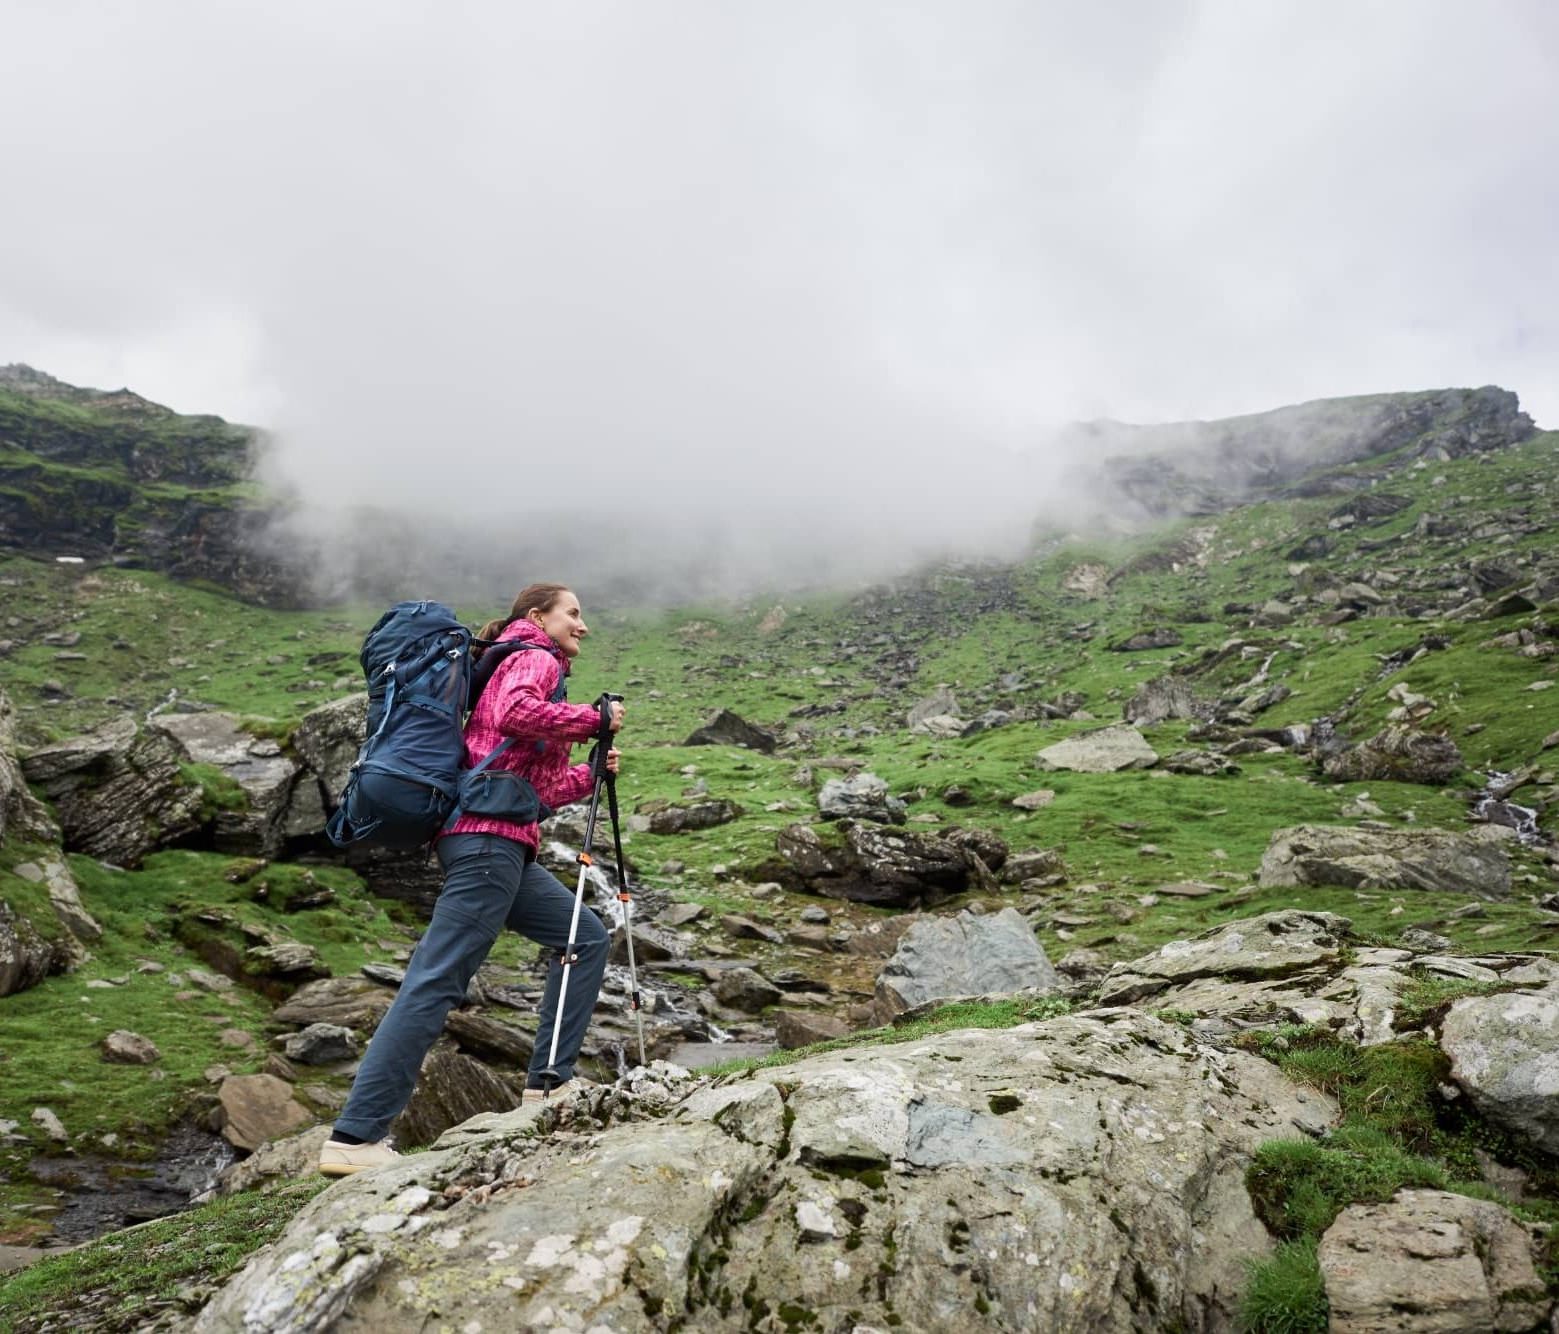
(976, 779)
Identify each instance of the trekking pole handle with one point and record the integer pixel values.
(604, 704)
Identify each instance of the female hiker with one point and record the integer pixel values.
(492, 880)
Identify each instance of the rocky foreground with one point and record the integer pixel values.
(1083, 1171)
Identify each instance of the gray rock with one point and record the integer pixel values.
(451, 1088)
(122, 1047)
(321, 1044)
(943, 725)
(746, 989)
(725, 728)
(23, 818)
(1033, 864)
(27, 956)
(1165, 697)
(64, 895)
(854, 1172)
(277, 1162)
(354, 1002)
(681, 914)
(1160, 636)
(1504, 1051)
(801, 1028)
(693, 816)
(1431, 1260)
(1200, 763)
(1273, 945)
(1104, 750)
(741, 927)
(328, 738)
(1474, 862)
(965, 955)
(1400, 754)
(1036, 800)
(862, 797)
(941, 703)
(876, 864)
(51, 1125)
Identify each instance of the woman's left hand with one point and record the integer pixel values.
(613, 760)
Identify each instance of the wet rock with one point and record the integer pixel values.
(278, 1162)
(321, 1044)
(122, 1047)
(1430, 1260)
(1474, 862)
(861, 797)
(1504, 1052)
(965, 955)
(1401, 754)
(725, 728)
(257, 1108)
(1102, 751)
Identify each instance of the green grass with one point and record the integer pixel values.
(1285, 1294)
(123, 1280)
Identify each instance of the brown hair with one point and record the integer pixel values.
(533, 597)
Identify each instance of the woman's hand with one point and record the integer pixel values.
(613, 760)
(616, 721)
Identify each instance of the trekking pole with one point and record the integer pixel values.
(626, 899)
(549, 1076)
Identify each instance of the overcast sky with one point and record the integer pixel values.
(682, 252)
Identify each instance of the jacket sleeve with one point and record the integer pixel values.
(574, 787)
(523, 709)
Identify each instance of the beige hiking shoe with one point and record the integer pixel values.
(531, 1097)
(342, 1160)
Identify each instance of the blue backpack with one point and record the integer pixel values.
(409, 781)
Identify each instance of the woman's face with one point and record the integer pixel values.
(564, 623)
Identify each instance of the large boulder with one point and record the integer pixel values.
(451, 1089)
(1105, 750)
(256, 766)
(1474, 862)
(328, 738)
(892, 868)
(257, 1108)
(27, 955)
(23, 818)
(685, 818)
(964, 955)
(1165, 697)
(862, 796)
(119, 792)
(725, 728)
(863, 1181)
(941, 703)
(1399, 754)
(1504, 1052)
(1434, 1261)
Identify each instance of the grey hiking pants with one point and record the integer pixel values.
(490, 883)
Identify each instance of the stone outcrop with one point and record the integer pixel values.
(1399, 754)
(257, 1108)
(119, 792)
(1105, 750)
(328, 738)
(939, 958)
(725, 728)
(1429, 1260)
(23, 818)
(1163, 698)
(258, 769)
(882, 865)
(26, 955)
(863, 1180)
(1474, 862)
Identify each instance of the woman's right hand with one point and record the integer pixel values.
(616, 715)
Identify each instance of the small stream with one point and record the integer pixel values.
(1493, 806)
(99, 1193)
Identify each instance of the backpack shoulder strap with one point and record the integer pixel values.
(494, 655)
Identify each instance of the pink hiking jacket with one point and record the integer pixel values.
(516, 703)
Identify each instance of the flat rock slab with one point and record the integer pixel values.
(1106, 750)
(258, 1108)
(1430, 1261)
(864, 1180)
(962, 955)
(1474, 862)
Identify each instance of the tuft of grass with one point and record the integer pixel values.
(1285, 1293)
